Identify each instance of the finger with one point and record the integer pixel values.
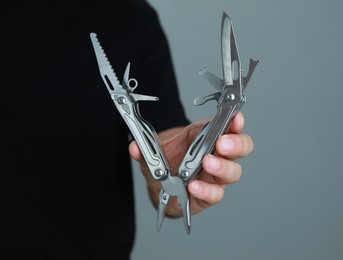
(137, 155)
(221, 170)
(237, 124)
(234, 146)
(205, 194)
(135, 152)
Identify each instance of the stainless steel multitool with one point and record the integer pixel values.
(229, 96)
(143, 132)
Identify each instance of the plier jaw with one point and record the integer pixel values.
(174, 186)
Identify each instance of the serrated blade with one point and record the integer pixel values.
(106, 70)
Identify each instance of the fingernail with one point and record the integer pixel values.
(195, 187)
(240, 123)
(227, 144)
(213, 163)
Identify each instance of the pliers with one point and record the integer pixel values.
(229, 96)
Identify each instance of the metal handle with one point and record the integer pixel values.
(205, 141)
(144, 134)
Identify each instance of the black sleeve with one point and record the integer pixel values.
(134, 34)
(156, 76)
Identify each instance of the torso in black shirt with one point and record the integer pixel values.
(66, 184)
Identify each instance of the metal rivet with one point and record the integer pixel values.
(231, 96)
(159, 173)
(121, 100)
(184, 174)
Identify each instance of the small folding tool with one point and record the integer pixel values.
(146, 137)
(229, 96)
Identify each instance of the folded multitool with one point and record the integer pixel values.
(230, 97)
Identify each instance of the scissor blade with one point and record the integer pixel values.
(106, 70)
(229, 51)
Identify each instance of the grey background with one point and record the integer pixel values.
(288, 203)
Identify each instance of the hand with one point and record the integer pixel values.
(219, 169)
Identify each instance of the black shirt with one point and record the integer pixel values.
(66, 184)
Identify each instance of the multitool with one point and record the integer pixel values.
(229, 96)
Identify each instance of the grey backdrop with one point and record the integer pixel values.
(288, 203)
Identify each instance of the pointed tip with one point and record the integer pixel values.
(160, 218)
(126, 74)
(188, 230)
(159, 222)
(255, 61)
(128, 66)
(225, 15)
(187, 217)
(158, 227)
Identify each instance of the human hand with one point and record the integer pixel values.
(219, 169)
